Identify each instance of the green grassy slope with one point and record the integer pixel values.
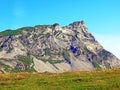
(92, 80)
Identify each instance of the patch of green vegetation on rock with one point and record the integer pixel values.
(53, 61)
(6, 68)
(43, 26)
(25, 60)
(36, 55)
(31, 69)
(66, 53)
(16, 70)
(26, 28)
(15, 32)
(96, 65)
(1, 48)
(47, 51)
(10, 32)
(86, 51)
(66, 56)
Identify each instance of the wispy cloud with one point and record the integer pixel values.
(19, 14)
(19, 10)
(110, 43)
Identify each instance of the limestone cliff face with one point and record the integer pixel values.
(49, 48)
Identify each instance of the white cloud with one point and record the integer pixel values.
(110, 43)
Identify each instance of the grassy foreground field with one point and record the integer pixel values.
(93, 80)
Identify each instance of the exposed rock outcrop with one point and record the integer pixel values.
(49, 48)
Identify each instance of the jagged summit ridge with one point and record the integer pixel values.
(49, 48)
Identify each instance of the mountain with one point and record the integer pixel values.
(49, 48)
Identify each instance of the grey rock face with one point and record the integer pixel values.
(49, 48)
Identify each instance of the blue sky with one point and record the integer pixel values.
(102, 17)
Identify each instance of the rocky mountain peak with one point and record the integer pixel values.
(49, 48)
(55, 26)
(77, 24)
